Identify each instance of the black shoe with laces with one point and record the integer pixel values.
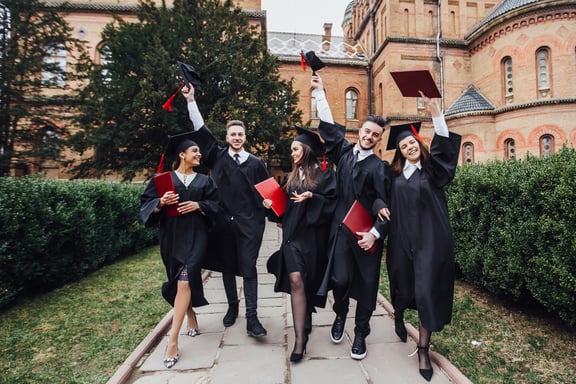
(231, 315)
(337, 331)
(358, 347)
(254, 327)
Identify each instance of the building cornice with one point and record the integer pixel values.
(513, 107)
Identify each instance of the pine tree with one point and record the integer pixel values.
(122, 121)
(32, 124)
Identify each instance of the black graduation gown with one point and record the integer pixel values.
(367, 181)
(235, 244)
(183, 239)
(305, 229)
(420, 252)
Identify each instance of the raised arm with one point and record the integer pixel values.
(193, 111)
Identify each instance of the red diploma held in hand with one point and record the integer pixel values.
(271, 190)
(358, 219)
(163, 182)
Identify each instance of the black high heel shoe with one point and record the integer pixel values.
(296, 357)
(425, 373)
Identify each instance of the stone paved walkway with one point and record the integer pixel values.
(222, 355)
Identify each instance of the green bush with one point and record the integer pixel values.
(513, 226)
(53, 232)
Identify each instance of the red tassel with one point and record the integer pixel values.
(302, 61)
(324, 163)
(167, 106)
(160, 165)
(415, 132)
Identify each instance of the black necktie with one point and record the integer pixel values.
(237, 158)
(354, 159)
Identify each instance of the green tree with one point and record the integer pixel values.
(122, 123)
(37, 50)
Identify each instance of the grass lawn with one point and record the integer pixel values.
(82, 332)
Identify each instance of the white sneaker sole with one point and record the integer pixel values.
(358, 357)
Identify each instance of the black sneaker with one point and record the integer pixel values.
(254, 328)
(358, 347)
(231, 315)
(337, 331)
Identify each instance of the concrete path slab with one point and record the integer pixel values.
(221, 355)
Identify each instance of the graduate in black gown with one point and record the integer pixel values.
(237, 241)
(353, 271)
(184, 237)
(420, 255)
(300, 264)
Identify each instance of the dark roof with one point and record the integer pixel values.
(503, 8)
(470, 101)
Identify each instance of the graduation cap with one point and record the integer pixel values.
(309, 138)
(312, 140)
(176, 144)
(400, 132)
(190, 76)
(310, 59)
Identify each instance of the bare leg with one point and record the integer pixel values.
(192, 322)
(181, 305)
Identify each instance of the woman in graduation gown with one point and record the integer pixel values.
(420, 256)
(184, 236)
(300, 263)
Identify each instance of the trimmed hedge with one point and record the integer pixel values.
(53, 232)
(514, 227)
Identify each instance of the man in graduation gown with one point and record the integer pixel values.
(242, 226)
(354, 271)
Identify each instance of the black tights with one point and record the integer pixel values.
(424, 341)
(299, 310)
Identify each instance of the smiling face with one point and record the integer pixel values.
(369, 135)
(297, 152)
(191, 156)
(410, 149)
(236, 137)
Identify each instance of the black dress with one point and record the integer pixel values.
(305, 228)
(184, 238)
(367, 181)
(235, 244)
(420, 254)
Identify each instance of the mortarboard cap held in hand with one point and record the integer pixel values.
(190, 76)
(411, 81)
(176, 144)
(311, 60)
(400, 132)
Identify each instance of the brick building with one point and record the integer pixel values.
(505, 68)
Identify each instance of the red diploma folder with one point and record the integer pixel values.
(358, 219)
(270, 189)
(412, 81)
(163, 182)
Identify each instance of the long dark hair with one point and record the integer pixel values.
(399, 160)
(310, 169)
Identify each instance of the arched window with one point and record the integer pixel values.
(54, 72)
(313, 107)
(546, 145)
(351, 104)
(543, 71)
(507, 80)
(105, 58)
(468, 153)
(510, 149)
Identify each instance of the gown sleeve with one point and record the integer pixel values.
(321, 206)
(210, 203)
(334, 140)
(149, 200)
(444, 158)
